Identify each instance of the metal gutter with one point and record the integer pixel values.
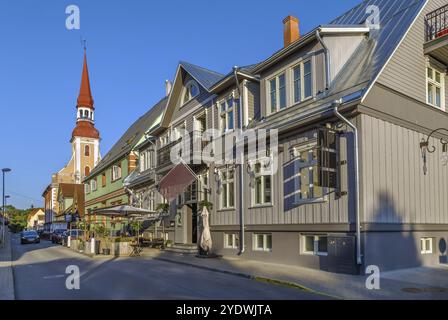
(336, 105)
(242, 246)
(327, 59)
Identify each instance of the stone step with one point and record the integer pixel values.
(183, 248)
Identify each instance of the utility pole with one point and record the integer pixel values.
(4, 171)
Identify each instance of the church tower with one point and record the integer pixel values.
(85, 137)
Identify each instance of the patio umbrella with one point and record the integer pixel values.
(206, 238)
(120, 211)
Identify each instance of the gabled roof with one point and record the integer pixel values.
(396, 18)
(205, 77)
(131, 137)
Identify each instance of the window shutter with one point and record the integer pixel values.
(327, 159)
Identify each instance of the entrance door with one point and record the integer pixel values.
(194, 224)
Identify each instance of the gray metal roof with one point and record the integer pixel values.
(396, 17)
(130, 138)
(206, 78)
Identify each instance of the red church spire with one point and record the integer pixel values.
(85, 94)
(85, 111)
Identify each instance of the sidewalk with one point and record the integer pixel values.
(6, 276)
(418, 283)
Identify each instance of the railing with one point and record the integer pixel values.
(196, 145)
(436, 23)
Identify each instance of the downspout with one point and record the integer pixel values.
(241, 168)
(327, 59)
(336, 105)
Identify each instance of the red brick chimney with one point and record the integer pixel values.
(291, 31)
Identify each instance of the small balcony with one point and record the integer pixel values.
(436, 44)
(196, 145)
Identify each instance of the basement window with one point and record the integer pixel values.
(426, 245)
(262, 242)
(315, 245)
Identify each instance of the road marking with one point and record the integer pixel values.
(55, 276)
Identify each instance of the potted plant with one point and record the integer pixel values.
(104, 233)
(205, 204)
(163, 208)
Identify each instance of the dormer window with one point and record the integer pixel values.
(303, 81)
(191, 91)
(277, 92)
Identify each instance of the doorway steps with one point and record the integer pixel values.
(183, 248)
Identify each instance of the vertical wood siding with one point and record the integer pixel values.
(394, 188)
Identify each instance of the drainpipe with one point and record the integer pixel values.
(241, 168)
(327, 59)
(336, 105)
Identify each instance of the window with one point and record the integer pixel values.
(227, 114)
(231, 240)
(303, 81)
(147, 160)
(87, 188)
(86, 171)
(261, 193)
(116, 172)
(93, 184)
(426, 245)
(263, 242)
(435, 91)
(191, 91)
(315, 245)
(164, 140)
(203, 187)
(103, 180)
(277, 92)
(304, 183)
(228, 189)
(87, 151)
(149, 201)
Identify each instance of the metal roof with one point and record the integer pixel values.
(131, 137)
(206, 78)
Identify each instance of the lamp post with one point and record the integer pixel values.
(425, 148)
(4, 171)
(6, 204)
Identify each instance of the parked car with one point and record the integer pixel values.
(74, 234)
(57, 235)
(30, 236)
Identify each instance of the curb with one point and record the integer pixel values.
(10, 294)
(251, 277)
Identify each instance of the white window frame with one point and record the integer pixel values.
(265, 247)
(440, 85)
(224, 114)
(116, 172)
(315, 251)
(277, 92)
(258, 175)
(234, 237)
(93, 184)
(87, 188)
(426, 245)
(228, 182)
(147, 159)
(311, 165)
(301, 65)
(186, 89)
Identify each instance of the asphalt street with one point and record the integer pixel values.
(40, 273)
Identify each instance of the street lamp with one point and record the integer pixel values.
(4, 170)
(425, 148)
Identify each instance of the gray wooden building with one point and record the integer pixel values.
(380, 197)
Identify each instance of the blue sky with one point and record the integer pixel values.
(133, 46)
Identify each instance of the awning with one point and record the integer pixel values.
(176, 181)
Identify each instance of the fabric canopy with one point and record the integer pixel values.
(120, 211)
(176, 181)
